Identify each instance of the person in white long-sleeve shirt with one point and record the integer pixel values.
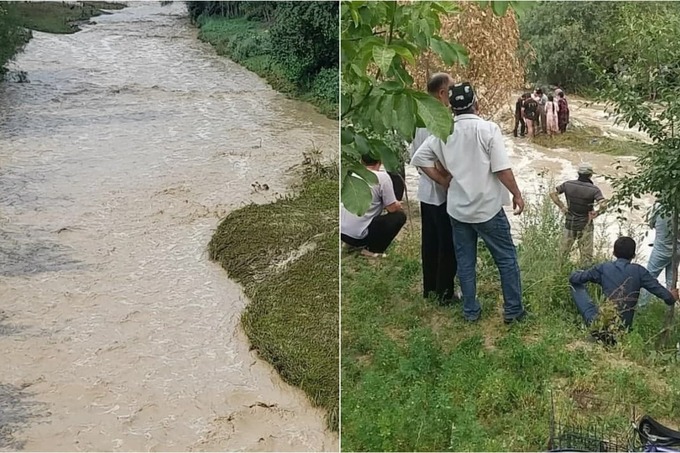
(437, 252)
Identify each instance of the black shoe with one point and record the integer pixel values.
(518, 318)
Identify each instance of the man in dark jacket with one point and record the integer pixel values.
(519, 117)
(621, 282)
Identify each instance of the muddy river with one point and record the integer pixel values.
(117, 161)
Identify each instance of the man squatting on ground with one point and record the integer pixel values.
(621, 282)
(480, 177)
(437, 252)
(373, 232)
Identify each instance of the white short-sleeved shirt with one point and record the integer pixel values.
(428, 191)
(382, 196)
(472, 154)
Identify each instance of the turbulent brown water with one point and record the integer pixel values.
(117, 160)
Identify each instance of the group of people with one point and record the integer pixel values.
(464, 184)
(538, 111)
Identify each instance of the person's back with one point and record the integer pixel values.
(581, 197)
(530, 108)
(356, 226)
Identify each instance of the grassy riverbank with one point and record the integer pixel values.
(591, 139)
(416, 377)
(285, 255)
(17, 19)
(247, 42)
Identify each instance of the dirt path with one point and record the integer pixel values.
(117, 160)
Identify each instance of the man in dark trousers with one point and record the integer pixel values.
(519, 117)
(437, 252)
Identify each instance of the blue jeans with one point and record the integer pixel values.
(584, 303)
(496, 235)
(661, 257)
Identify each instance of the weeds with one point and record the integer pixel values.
(591, 139)
(285, 255)
(417, 377)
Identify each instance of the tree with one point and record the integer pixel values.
(378, 100)
(627, 94)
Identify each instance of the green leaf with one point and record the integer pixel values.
(362, 145)
(405, 110)
(404, 53)
(388, 156)
(356, 194)
(451, 53)
(499, 8)
(365, 174)
(435, 115)
(383, 57)
(346, 136)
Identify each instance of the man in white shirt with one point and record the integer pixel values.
(476, 158)
(437, 253)
(372, 232)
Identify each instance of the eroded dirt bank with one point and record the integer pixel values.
(117, 160)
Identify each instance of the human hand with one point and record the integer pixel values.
(674, 292)
(592, 215)
(564, 209)
(517, 204)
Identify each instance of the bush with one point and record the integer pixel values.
(326, 85)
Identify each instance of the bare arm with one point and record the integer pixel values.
(555, 197)
(507, 178)
(394, 207)
(437, 176)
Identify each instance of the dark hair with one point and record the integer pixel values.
(539, 90)
(561, 94)
(369, 160)
(550, 97)
(624, 248)
(437, 82)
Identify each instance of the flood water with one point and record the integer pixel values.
(117, 161)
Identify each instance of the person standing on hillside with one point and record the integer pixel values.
(519, 116)
(542, 114)
(373, 232)
(563, 112)
(581, 195)
(437, 252)
(481, 176)
(530, 112)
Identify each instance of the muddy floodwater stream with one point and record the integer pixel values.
(117, 160)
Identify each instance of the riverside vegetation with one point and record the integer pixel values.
(285, 255)
(293, 45)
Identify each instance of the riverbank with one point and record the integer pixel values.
(285, 256)
(416, 377)
(19, 18)
(247, 43)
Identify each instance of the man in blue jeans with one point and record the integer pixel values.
(621, 282)
(478, 184)
(662, 254)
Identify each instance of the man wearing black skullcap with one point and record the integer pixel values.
(481, 176)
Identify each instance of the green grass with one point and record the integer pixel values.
(247, 43)
(416, 377)
(292, 318)
(54, 17)
(591, 139)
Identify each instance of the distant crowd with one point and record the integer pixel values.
(540, 113)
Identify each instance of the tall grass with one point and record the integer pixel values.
(415, 376)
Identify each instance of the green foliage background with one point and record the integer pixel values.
(294, 45)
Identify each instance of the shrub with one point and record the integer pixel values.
(326, 85)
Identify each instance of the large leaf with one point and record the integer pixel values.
(450, 53)
(405, 109)
(388, 157)
(499, 8)
(356, 194)
(383, 56)
(435, 115)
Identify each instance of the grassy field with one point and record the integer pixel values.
(246, 43)
(285, 255)
(416, 377)
(591, 139)
(56, 17)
